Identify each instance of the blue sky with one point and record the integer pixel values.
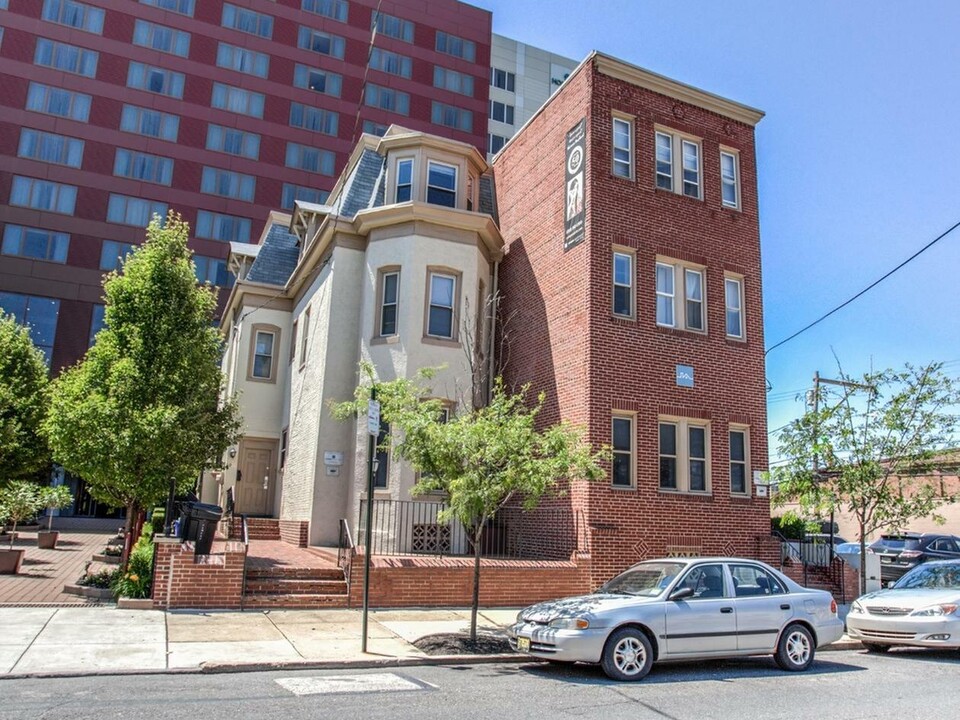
(857, 157)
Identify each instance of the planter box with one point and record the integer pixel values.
(10, 561)
(89, 592)
(135, 603)
(107, 559)
(47, 539)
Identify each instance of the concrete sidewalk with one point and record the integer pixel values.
(107, 640)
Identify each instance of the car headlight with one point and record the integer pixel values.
(520, 616)
(570, 623)
(856, 608)
(935, 611)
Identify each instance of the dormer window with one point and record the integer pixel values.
(441, 184)
(404, 180)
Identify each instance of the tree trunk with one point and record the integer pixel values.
(863, 563)
(475, 606)
(13, 534)
(128, 534)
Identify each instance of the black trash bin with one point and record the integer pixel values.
(198, 523)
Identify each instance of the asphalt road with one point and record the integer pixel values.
(842, 685)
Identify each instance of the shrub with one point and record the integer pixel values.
(792, 526)
(137, 581)
(102, 579)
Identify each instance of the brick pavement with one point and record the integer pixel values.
(274, 554)
(44, 572)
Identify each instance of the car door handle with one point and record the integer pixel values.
(726, 610)
(785, 606)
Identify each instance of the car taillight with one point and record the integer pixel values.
(833, 606)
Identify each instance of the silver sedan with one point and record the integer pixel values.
(921, 609)
(682, 609)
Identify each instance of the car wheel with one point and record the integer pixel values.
(795, 650)
(875, 648)
(627, 655)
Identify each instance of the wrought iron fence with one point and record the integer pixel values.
(415, 527)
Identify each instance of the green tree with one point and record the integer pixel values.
(19, 501)
(23, 402)
(483, 458)
(873, 453)
(143, 406)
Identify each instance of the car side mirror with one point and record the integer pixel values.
(891, 583)
(681, 593)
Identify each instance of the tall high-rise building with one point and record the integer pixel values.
(113, 110)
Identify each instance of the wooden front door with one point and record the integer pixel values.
(255, 481)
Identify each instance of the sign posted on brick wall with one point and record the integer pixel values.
(575, 186)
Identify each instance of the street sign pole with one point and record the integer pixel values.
(373, 430)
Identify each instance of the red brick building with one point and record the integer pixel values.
(111, 110)
(628, 206)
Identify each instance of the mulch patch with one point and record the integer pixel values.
(461, 644)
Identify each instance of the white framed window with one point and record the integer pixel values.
(141, 166)
(50, 148)
(243, 60)
(151, 123)
(393, 26)
(226, 183)
(456, 46)
(155, 80)
(247, 21)
(304, 337)
(623, 292)
(503, 79)
(441, 184)
(391, 63)
(57, 101)
(238, 100)
(441, 315)
(685, 179)
(113, 254)
(623, 447)
(623, 147)
(233, 141)
(730, 178)
(321, 42)
(43, 195)
(681, 296)
(138, 212)
(387, 99)
(739, 460)
(35, 243)
(263, 349)
(320, 81)
(451, 116)
(501, 112)
(733, 300)
(162, 38)
(404, 180)
(74, 14)
(334, 9)
(68, 58)
(389, 302)
(495, 143)
(684, 448)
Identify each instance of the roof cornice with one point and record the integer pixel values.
(679, 91)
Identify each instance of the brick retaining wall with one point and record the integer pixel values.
(295, 532)
(181, 580)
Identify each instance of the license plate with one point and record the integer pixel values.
(523, 644)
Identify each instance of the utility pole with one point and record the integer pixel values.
(373, 430)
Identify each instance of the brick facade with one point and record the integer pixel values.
(295, 532)
(181, 580)
(565, 340)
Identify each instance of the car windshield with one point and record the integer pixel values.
(647, 579)
(931, 576)
(894, 542)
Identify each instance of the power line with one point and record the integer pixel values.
(866, 289)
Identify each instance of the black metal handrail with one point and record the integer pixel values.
(346, 552)
(417, 527)
(245, 536)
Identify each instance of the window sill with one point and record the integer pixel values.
(623, 319)
(623, 488)
(385, 340)
(674, 193)
(741, 496)
(632, 180)
(440, 342)
(681, 331)
(735, 341)
(265, 381)
(704, 495)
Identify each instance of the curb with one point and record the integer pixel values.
(848, 644)
(97, 673)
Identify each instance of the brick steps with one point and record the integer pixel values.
(278, 586)
(294, 573)
(257, 528)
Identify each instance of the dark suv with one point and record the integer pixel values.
(904, 551)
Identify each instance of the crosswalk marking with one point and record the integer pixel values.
(344, 684)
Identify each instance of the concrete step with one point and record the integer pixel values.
(286, 586)
(296, 601)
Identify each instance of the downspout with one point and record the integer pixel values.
(495, 306)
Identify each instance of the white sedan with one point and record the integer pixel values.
(682, 609)
(921, 609)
